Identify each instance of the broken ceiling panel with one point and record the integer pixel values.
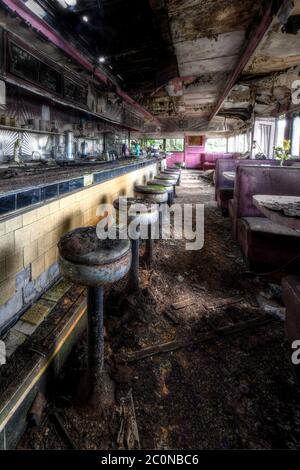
(192, 19)
(175, 56)
(208, 38)
(278, 50)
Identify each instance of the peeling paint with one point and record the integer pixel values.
(192, 19)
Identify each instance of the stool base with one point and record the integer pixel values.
(95, 398)
(133, 283)
(96, 390)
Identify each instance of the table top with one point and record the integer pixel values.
(229, 175)
(282, 210)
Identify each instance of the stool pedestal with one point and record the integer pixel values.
(169, 186)
(86, 260)
(173, 175)
(142, 213)
(95, 335)
(169, 179)
(153, 193)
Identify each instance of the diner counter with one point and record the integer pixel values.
(46, 205)
(21, 187)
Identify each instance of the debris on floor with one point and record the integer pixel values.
(199, 363)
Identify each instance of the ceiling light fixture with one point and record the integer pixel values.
(67, 3)
(39, 11)
(62, 3)
(71, 3)
(101, 59)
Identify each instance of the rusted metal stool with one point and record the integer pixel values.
(162, 176)
(86, 260)
(169, 179)
(143, 213)
(169, 188)
(155, 194)
(173, 173)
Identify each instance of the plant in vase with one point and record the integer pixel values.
(283, 153)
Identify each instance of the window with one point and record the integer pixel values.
(25, 65)
(49, 78)
(216, 145)
(195, 140)
(296, 137)
(157, 144)
(280, 132)
(242, 143)
(264, 137)
(174, 145)
(231, 144)
(74, 91)
(239, 143)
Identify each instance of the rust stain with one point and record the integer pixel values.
(192, 19)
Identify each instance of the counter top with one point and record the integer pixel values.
(16, 178)
(23, 187)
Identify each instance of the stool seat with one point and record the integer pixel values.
(168, 186)
(165, 183)
(166, 177)
(172, 175)
(85, 259)
(150, 189)
(171, 172)
(127, 202)
(154, 193)
(138, 209)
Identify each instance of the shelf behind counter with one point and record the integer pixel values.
(41, 184)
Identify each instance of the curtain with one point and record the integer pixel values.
(264, 138)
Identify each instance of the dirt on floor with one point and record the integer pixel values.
(199, 357)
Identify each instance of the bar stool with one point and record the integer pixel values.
(175, 172)
(142, 213)
(169, 187)
(86, 260)
(172, 175)
(172, 171)
(169, 179)
(155, 194)
(162, 176)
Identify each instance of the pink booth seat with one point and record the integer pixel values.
(263, 243)
(224, 188)
(208, 160)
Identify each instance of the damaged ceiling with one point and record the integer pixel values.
(266, 83)
(174, 57)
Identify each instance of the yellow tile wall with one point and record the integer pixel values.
(31, 238)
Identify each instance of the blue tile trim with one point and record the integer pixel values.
(22, 199)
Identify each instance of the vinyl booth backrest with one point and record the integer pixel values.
(252, 180)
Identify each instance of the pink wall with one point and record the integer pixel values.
(176, 157)
(193, 155)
